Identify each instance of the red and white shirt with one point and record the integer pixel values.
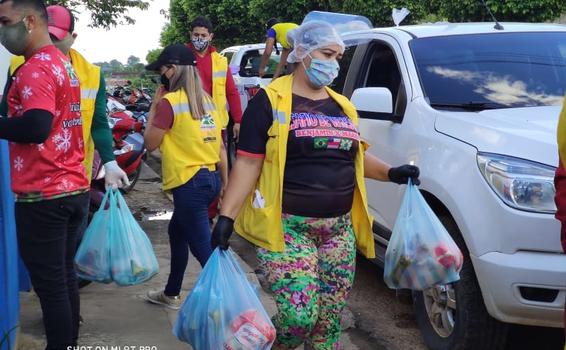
(53, 169)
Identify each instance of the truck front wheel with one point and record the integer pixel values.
(454, 316)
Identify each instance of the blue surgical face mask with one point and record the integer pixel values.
(322, 72)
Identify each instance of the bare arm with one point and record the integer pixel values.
(375, 168)
(266, 55)
(153, 136)
(223, 165)
(281, 63)
(243, 179)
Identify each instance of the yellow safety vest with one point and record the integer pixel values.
(190, 144)
(219, 71)
(561, 134)
(262, 226)
(281, 30)
(89, 78)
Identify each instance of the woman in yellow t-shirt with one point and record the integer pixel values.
(185, 126)
(276, 33)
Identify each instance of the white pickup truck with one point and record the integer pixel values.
(244, 61)
(476, 109)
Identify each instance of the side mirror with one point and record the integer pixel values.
(373, 103)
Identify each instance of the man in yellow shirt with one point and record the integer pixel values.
(276, 33)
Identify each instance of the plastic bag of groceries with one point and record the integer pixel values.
(93, 256)
(131, 253)
(421, 253)
(223, 310)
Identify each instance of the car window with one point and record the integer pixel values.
(384, 72)
(492, 70)
(249, 65)
(338, 84)
(228, 56)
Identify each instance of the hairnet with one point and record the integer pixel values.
(310, 36)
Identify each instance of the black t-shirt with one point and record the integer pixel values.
(319, 178)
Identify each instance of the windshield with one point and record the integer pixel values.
(487, 71)
(249, 65)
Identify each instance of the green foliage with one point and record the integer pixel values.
(243, 21)
(231, 19)
(133, 60)
(175, 32)
(105, 13)
(379, 11)
(508, 10)
(115, 64)
(144, 81)
(152, 55)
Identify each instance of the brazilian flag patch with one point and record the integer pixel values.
(321, 143)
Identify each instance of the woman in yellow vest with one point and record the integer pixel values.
(185, 126)
(297, 191)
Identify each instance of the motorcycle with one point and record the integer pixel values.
(129, 146)
(133, 99)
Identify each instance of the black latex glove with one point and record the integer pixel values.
(402, 174)
(222, 232)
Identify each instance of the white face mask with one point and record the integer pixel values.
(200, 44)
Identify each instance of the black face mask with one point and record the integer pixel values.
(165, 81)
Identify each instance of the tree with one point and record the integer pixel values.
(105, 13)
(176, 30)
(115, 64)
(508, 10)
(231, 19)
(152, 55)
(133, 60)
(243, 21)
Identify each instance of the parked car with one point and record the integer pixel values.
(244, 61)
(476, 109)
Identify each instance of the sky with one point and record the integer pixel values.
(100, 45)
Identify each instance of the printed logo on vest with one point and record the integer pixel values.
(208, 128)
(71, 73)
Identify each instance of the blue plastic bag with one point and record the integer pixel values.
(9, 297)
(421, 253)
(93, 256)
(223, 311)
(114, 247)
(131, 253)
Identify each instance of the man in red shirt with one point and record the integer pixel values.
(217, 81)
(44, 126)
(216, 77)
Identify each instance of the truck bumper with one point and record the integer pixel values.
(526, 288)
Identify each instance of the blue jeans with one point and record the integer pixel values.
(189, 227)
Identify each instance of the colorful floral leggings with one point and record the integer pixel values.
(311, 280)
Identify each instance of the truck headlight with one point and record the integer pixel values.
(520, 183)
